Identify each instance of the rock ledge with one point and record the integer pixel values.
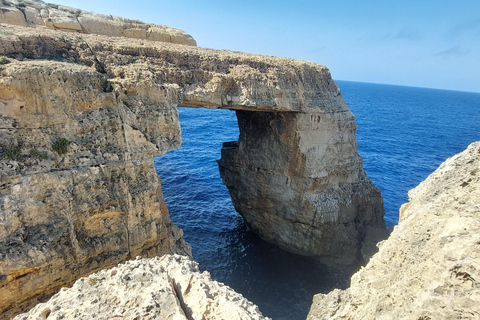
(34, 13)
(170, 287)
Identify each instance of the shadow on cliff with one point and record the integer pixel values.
(280, 283)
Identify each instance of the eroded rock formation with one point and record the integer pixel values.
(68, 212)
(429, 266)
(299, 182)
(83, 115)
(36, 13)
(170, 287)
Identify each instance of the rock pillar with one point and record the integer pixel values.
(298, 181)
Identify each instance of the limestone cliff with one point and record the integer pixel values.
(429, 266)
(82, 116)
(35, 13)
(299, 182)
(170, 287)
(78, 188)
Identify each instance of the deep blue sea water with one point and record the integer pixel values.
(403, 134)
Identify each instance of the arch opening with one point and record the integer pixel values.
(280, 283)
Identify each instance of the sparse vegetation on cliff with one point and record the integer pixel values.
(5, 32)
(4, 60)
(34, 153)
(13, 153)
(21, 4)
(61, 146)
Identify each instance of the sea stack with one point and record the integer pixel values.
(298, 181)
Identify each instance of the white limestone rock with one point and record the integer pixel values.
(429, 268)
(114, 99)
(35, 13)
(170, 287)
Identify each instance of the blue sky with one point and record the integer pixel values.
(433, 44)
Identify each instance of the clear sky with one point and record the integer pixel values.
(423, 43)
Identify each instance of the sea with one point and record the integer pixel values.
(403, 134)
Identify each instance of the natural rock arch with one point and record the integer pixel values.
(295, 174)
(114, 100)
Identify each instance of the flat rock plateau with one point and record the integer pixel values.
(33, 13)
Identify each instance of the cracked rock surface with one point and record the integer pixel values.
(429, 267)
(170, 287)
(67, 213)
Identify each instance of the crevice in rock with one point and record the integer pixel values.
(99, 66)
(177, 291)
(23, 12)
(73, 235)
(128, 236)
(81, 26)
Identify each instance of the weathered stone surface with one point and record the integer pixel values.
(64, 216)
(35, 13)
(114, 100)
(299, 182)
(170, 287)
(429, 268)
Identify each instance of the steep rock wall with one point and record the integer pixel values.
(299, 182)
(66, 215)
(429, 267)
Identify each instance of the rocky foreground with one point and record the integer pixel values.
(170, 287)
(84, 112)
(429, 268)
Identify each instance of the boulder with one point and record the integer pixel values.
(170, 287)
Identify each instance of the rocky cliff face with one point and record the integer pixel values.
(82, 116)
(299, 182)
(36, 13)
(170, 287)
(78, 188)
(429, 266)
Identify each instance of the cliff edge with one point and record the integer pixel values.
(35, 13)
(429, 268)
(170, 287)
